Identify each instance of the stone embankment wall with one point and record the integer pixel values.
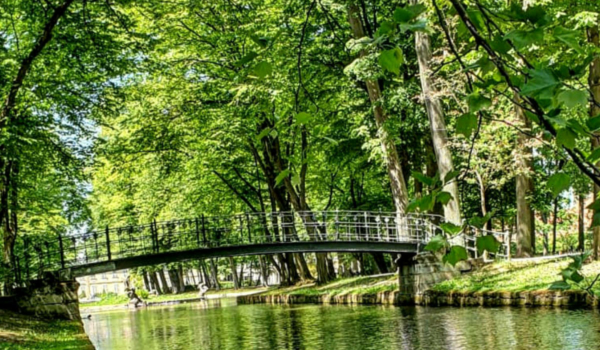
(382, 298)
(528, 298)
(430, 298)
(52, 297)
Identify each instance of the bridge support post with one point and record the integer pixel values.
(107, 232)
(197, 233)
(204, 230)
(62, 252)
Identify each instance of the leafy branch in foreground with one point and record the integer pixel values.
(573, 275)
(446, 241)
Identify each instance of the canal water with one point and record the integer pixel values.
(221, 324)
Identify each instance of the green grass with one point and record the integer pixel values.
(512, 277)
(19, 332)
(344, 286)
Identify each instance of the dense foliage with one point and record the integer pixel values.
(123, 112)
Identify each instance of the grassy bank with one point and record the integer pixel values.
(19, 332)
(116, 300)
(515, 277)
(344, 286)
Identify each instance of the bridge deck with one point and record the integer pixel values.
(405, 249)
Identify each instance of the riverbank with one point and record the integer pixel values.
(379, 289)
(114, 302)
(19, 332)
(499, 284)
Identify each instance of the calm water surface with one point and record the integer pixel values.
(221, 324)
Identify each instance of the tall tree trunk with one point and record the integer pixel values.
(241, 276)
(581, 224)
(437, 124)
(554, 224)
(524, 189)
(181, 278)
(146, 280)
(302, 266)
(155, 284)
(594, 84)
(431, 169)
(206, 275)
(380, 262)
(163, 281)
(264, 271)
(234, 274)
(214, 275)
(397, 181)
(483, 199)
(293, 276)
(175, 281)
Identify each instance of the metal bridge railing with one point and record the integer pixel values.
(35, 254)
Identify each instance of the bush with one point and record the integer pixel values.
(142, 293)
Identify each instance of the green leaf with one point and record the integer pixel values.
(436, 243)
(384, 28)
(262, 69)
(542, 84)
(596, 220)
(536, 15)
(558, 183)
(593, 123)
(303, 117)
(282, 175)
(450, 228)
(571, 274)
(423, 179)
(426, 203)
(569, 37)
(260, 41)
(573, 98)
(417, 9)
(403, 15)
(466, 124)
(391, 60)
(534, 118)
(443, 197)
(500, 45)
(416, 26)
(413, 205)
(488, 243)
(578, 261)
(594, 157)
(566, 137)
(247, 58)
(559, 285)
(525, 38)
(479, 221)
(478, 102)
(456, 254)
(595, 205)
(451, 176)
(262, 134)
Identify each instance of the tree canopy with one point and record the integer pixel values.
(122, 112)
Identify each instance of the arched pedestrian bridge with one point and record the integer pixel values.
(118, 248)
